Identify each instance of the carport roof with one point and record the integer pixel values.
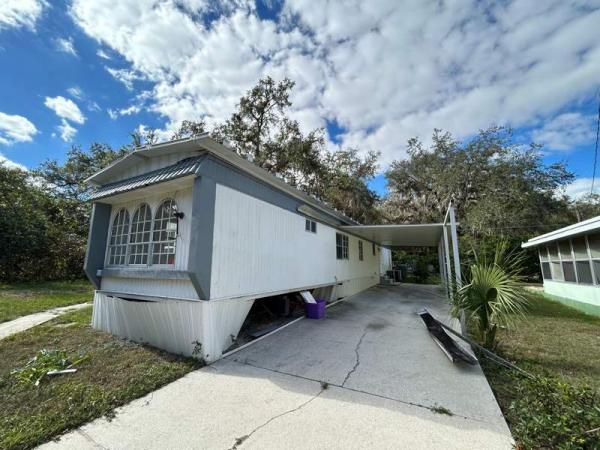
(406, 235)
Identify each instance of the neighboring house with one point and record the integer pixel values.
(186, 235)
(570, 263)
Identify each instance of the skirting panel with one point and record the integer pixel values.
(173, 325)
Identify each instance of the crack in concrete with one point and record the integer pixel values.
(397, 400)
(90, 439)
(240, 440)
(356, 364)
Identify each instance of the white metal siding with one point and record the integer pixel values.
(260, 248)
(163, 288)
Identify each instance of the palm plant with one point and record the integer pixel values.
(492, 293)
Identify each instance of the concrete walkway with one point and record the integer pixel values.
(369, 376)
(30, 321)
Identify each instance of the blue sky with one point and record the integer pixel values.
(373, 74)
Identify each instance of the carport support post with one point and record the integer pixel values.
(456, 258)
(441, 263)
(448, 266)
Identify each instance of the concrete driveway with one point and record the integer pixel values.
(369, 376)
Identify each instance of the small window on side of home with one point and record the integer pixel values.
(360, 251)
(341, 246)
(310, 226)
(373, 244)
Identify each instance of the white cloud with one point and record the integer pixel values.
(102, 54)
(127, 77)
(133, 109)
(580, 188)
(15, 128)
(566, 131)
(93, 106)
(65, 108)
(4, 161)
(67, 132)
(66, 45)
(130, 110)
(383, 70)
(20, 13)
(76, 92)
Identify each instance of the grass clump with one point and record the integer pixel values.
(442, 410)
(114, 372)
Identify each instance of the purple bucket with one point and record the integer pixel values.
(316, 310)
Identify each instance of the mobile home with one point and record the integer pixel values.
(186, 235)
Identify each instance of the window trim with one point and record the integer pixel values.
(344, 246)
(153, 242)
(153, 211)
(310, 226)
(109, 246)
(149, 242)
(361, 255)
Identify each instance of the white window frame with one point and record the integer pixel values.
(124, 233)
(310, 226)
(155, 242)
(131, 244)
(344, 246)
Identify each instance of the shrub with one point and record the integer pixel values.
(549, 413)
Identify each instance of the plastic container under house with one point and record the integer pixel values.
(316, 310)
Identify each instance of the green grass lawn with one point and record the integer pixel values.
(20, 299)
(113, 373)
(560, 346)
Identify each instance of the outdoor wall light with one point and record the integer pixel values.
(178, 215)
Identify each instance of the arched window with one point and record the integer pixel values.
(164, 236)
(139, 236)
(117, 247)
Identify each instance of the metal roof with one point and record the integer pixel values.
(576, 229)
(408, 235)
(182, 168)
(204, 143)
